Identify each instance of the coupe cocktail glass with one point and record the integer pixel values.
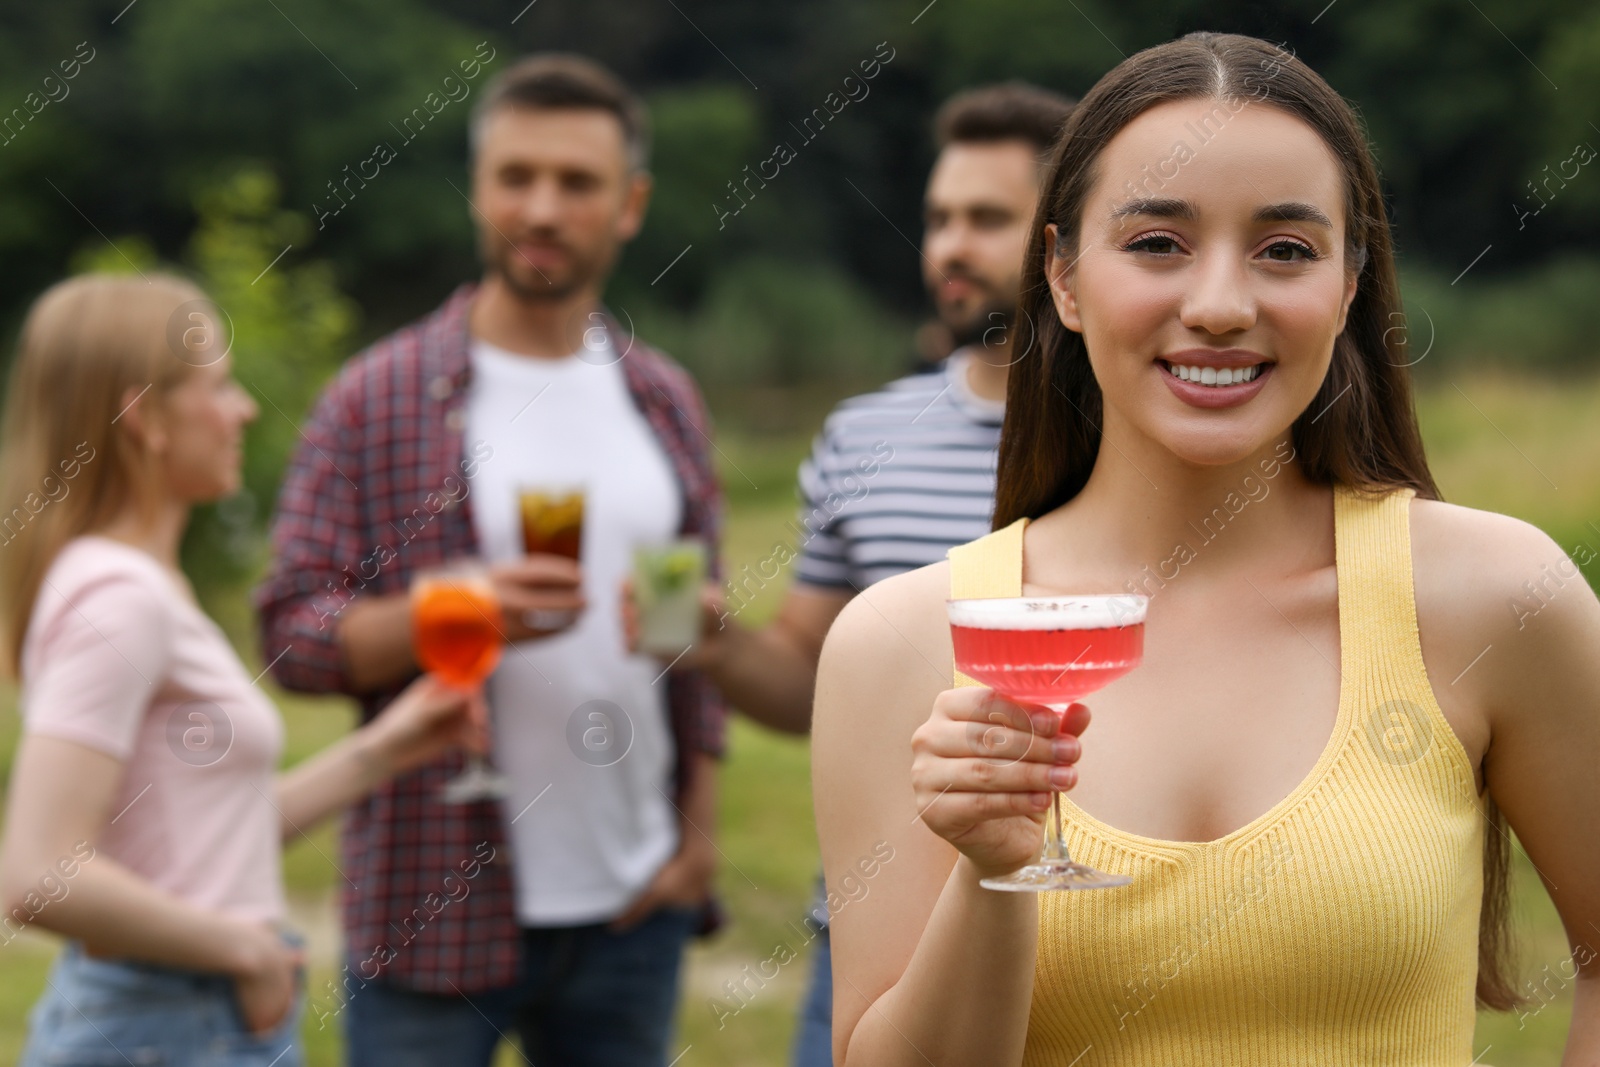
(1050, 651)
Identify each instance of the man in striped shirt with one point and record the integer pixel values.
(898, 476)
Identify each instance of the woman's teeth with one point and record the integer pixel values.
(1213, 375)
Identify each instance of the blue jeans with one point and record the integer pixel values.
(813, 1037)
(586, 996)
(112, 1013)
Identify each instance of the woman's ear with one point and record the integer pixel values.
(1058, 270)
(140, 420)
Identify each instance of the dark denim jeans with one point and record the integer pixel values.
(813, 1035)
(587, 996)
(113, 1013)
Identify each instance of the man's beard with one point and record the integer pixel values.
(505, 261)
(990, 324)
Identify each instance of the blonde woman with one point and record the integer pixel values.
(145, 820)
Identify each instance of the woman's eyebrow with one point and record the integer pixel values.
(1157, 206)
(1170, 208)
(1292, 211)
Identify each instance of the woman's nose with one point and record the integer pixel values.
(1219, 299)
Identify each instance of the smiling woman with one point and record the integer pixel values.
(1288, 714)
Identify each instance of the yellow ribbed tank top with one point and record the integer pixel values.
(1340, 927)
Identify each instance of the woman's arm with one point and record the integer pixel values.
(1583, 1036)
(928, 966)
(426, 720)
(60, 799)
(1538, 685)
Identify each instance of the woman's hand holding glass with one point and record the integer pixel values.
(427, 719)
(983, 768)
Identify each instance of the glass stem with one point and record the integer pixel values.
(1055, 845)
(479, 710)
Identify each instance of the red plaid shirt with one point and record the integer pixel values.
(376, 492)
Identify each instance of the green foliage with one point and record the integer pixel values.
(704, 135)
(1570, 61)
(129, 254)
(1544, 319)
(1464, 104)
(774, 322)
(1065, 47)
(313, 87)
(291, 328)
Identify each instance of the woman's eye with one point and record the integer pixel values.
(1285, 251)
(1156, 243)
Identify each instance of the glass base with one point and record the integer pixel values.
(1046, 875)
(477, 782)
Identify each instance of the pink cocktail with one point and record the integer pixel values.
(1048, 666)
(1050, 651)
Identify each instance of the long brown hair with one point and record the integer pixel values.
(1361, 428)
(68, 465)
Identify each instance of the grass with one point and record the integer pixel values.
(1524, 447)
(1527, 447)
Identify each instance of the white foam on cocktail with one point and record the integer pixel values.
(1048, 613)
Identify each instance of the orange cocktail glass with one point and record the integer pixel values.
(457, 635)
(456, 626)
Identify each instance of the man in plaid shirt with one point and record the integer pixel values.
(560, 911)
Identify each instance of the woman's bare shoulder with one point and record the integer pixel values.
(1476, 564)
(899, 616)
(887, 655)
(1483, 580)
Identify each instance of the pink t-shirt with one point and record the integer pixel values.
(119, 659)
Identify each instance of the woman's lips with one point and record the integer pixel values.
(1196, 394)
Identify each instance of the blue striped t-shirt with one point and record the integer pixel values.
(896, 477)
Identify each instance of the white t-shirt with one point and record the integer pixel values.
(580, 726)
